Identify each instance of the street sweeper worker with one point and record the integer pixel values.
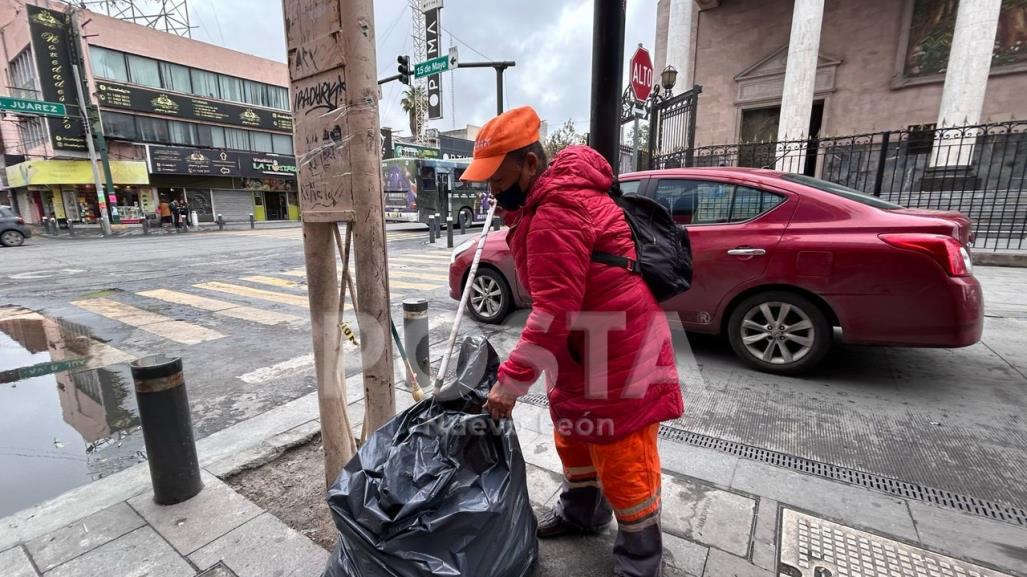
(595, 332)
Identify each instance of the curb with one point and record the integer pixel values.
(1010, 259)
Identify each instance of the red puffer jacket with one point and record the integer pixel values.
(595, 330)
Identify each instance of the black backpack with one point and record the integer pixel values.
(663, 249)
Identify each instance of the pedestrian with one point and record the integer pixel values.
(595, 332)
(164, 209)
(176, 213)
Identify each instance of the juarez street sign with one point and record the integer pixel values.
(40, 107)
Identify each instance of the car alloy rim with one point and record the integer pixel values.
(486, 297)
(778, 333)
(11, 237)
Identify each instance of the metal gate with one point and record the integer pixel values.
(672, 129)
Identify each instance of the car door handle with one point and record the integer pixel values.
(746, 251)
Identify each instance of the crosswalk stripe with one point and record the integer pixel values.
(177, 331)
(273, 281)
(255, 293)
(418, 275)
(412, 285)
(300, 272)
(417, 261)
(224, 308)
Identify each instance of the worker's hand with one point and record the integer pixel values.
(500, 404)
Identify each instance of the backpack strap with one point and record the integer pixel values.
(618, 261)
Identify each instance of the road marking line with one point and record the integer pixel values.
(177, 331)
(417, 261)
(272, 281)
(420, 275)
(224, 308)
(249, 292)
(300, 272)
(412, 285)
(291, 367)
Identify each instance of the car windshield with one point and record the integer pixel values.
(842, 191)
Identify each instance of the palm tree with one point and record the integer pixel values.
(409, 103)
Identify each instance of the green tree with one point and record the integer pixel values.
(409, 103)
(562, 138)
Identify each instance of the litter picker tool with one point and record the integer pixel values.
(444, 365)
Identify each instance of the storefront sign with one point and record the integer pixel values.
(209, 162)
(46, 172)
(416, 151)
(121, 96)
(49, 32)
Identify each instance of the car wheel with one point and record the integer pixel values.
(780, 332)
(12, 238)
(490, 299)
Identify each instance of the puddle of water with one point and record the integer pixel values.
(61, 430)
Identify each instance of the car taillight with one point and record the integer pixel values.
(20, 220)
(945, 250)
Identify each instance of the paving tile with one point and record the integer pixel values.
(764, 542)
(543, 485)
(83, 535)
(702, 513)
(706, 464)
(140, 553)
(218, 570)
(721, 564)
(682, 557)
(540, 450)
(189, 525)
(15, 563)
(968, 537)
(262, 547)
(857, 507)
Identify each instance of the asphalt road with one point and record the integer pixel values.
(951, 419)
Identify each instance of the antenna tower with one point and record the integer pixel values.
(420, 55)
(171, 16)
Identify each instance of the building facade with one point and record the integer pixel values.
(181, 120)
(775, 70)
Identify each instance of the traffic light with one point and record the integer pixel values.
(404, 69)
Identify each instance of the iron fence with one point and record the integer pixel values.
(978, 170)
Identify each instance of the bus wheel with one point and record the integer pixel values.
(466, 217)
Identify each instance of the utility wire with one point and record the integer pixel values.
(472, 49)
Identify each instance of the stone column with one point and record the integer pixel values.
(800, 79)
(660, 46)
(679, 42)
(966, 78)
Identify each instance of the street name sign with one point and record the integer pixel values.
(434, 66)
(40, 107)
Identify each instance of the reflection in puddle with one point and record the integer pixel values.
(65, 429)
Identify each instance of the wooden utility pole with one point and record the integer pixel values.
(332, 73)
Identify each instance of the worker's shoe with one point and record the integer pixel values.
(553, 525)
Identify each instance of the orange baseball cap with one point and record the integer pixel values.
(511, 130)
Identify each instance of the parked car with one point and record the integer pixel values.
(781, 259)
(13, 231)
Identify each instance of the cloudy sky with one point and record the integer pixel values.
(551, 41)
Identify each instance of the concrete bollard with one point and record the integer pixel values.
(167, 428)
(146, 226)
(449, 232)
(431, 229)
(253, 223)
(495, 223)
(463, 224)
(415, 338)
(51, 226)
(71, 228)
(221, 222)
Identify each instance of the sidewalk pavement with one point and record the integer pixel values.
(723, 515)
(83, 232)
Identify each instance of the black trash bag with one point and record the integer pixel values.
(438, 490)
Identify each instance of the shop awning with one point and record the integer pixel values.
(32, 172)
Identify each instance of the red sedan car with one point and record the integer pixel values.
(781, 259)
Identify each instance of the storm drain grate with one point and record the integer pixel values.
(904, 489)
(815, 547)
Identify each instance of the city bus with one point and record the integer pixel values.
(416, 188)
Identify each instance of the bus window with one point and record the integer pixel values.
(427, 178)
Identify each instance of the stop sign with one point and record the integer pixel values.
(641, 74)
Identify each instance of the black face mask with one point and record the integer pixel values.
(512, 198)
